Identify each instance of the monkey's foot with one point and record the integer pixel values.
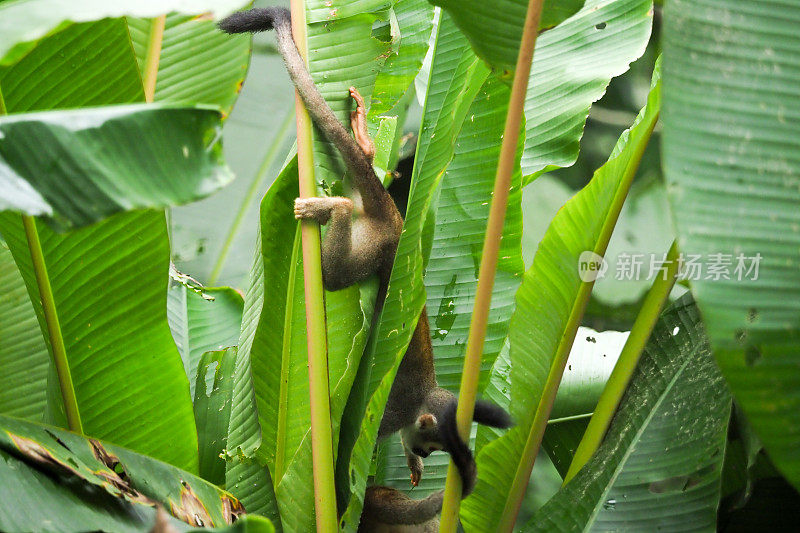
(416, 467)
(358, 121)
(320, 209)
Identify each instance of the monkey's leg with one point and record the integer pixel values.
(322, 209)
(358, 121)
(342, 266)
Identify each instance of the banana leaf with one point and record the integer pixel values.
(730, 148)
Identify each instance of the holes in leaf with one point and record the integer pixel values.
(751, 355)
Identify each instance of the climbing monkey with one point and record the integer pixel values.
(352, 250)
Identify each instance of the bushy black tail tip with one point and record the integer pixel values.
(458, 449)
(254, 20)
(489, 414)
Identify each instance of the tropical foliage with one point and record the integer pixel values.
(133, 397)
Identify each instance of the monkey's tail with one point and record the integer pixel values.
(390, 506)
(486, 413)
(255, 20)
(279, 19)
(489, 414)
(458, 449)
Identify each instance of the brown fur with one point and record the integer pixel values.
(387, 510)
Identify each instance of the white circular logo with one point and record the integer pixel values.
(591, 266)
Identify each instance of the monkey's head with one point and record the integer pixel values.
(423, 436)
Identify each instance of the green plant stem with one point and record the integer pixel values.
(321, 431)
(255, 186)
(59, 351)
(488, 267)
(626, 364)
(57, 346)
(534, 440)
(153, 57)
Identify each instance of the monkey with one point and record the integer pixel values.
(388, 510)
(425, 416)
(352, 250)
(424, 413)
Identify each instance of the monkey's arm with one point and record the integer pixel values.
(414, 461)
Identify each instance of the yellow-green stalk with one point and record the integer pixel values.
(626, 364)
(488, 267)
(321, 432)
(153, 57)
(54, 334)
(545, 405)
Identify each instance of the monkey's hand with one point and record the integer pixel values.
(358, 121)
(416, 467)
(321, 209)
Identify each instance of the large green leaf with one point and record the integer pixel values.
(139, 359)
(549, 304)
(456, 78)
(24, 22)
(591, 360)
(202, 322)
(572, 66)
(92, 163)
(84, 65)
(212, 411)
(23, 353)
(461, 211)
(644, 227)
(660, 466)
(108, 285)
(732, 164)
(495, 28)
(247, 473)
(60, 481)
(41, 503)
(331, 10)
(198, 63)
(410, 22)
